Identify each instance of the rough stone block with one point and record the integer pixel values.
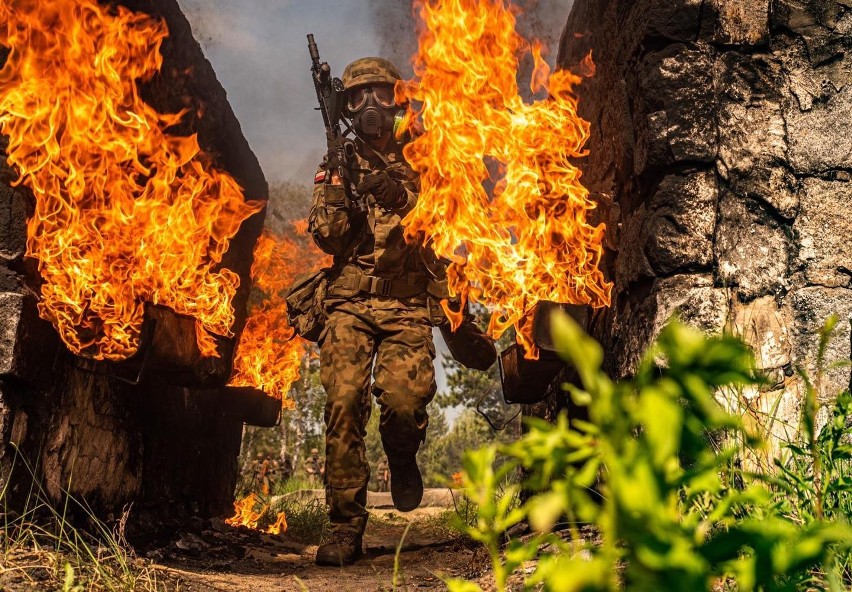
(677, 20)
(11, 311)
(679, 82)
(811, 307)
(693, 297)
(774, 186)
(818, 22)
(652, 142)
(27, 343)
(752, 143)
(824, 228)
(679, 233)
(13, 222)
(821, 138)
(737, 22)
(766, 327)
(752, 250)
(632, 263)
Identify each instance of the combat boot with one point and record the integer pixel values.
(406, 484)
(344, 548)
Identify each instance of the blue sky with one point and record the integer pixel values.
(259, 51)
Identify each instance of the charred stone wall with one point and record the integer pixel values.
(78, 424)
(721, 154)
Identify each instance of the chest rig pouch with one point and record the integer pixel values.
(305, 299)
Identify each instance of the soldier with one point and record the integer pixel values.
(383, 475)
(377, 309)
(313, 465)
(286, 469)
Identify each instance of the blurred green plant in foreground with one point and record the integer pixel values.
(671, 510)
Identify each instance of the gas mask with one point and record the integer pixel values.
(373, 110)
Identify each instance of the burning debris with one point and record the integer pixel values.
(270, 353)
(126, 212)
(529, 240)
(247, 514)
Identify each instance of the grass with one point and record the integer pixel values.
(294, 484)
(307, 520)
(40, 548)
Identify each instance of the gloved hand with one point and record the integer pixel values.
(388, 192)
(338, 148)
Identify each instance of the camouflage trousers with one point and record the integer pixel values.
(390, 342)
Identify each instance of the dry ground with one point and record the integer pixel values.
(232, 561)
(209, 555)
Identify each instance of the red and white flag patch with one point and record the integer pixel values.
(320, 177)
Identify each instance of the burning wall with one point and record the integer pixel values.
(87, 424)
(720, 152)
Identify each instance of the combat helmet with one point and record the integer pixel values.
(369, 71)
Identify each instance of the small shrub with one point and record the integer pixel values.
(674, 512)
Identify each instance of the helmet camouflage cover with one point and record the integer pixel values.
(369, 71)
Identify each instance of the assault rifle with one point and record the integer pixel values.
(330, 97)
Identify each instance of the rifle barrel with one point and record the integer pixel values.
(314, 50)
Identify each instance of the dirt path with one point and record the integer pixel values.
(224, 559)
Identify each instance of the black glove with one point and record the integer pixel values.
(388, 193)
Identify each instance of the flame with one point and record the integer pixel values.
(125, 212)
(269, 355)
(279, 526)
(529, 240)
(247, 515)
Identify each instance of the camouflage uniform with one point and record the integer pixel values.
(378, 326)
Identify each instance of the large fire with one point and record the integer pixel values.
(269, 356)
(529, 240)
(125, 212)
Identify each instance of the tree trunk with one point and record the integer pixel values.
(721, 153)
(159, 431)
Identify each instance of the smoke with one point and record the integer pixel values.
(396, 29)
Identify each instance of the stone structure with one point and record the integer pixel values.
(721, 154)
(81, 426)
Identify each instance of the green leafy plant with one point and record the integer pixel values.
(816, 477)
(672, 511)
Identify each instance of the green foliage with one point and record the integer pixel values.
(672, 511)
(442, 455)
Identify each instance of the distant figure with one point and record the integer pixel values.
(262, 469)
(314, 465)
(286, 468)
(383, 475)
